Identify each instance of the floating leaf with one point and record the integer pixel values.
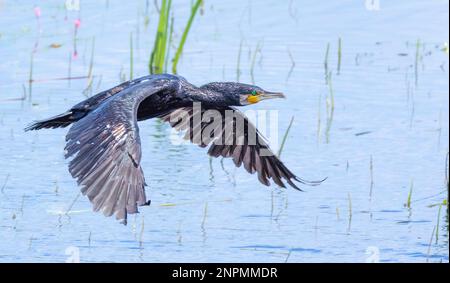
(55, 45)
(168, 204)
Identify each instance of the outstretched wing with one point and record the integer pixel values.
(233, 136)
(81, 109)
(94, 101)
(107, 152)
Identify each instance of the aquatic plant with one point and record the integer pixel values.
(339, 56)
(325, 62)
(371, 176)
(416, 63)
(238, 68)
(169, 43)
(252, 66)
(408, 201)
(30, 76)
(185, 34)
(319, 120)
(5, 183)
(350, 213)
(285, 136)
(330, 107)
(430, 243)
(159, 55)
(77, 24)
(88, 88)
(292, 65)
(205, 213)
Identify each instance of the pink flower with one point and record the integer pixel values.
(77, 23)
(37, 12)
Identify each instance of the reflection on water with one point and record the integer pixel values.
(368, 89)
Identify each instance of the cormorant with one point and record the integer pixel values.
(106, 149)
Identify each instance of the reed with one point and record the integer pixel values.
(169, 43)
(319, 118)
(72, 204)
(438, 223)
(229, 175)
(416, 63)
(252, 66)
(287, 256)
(330, 107)
(141, 234)
(325, 62)
(205, 214)
(350, 212)
(30, 76)
(446, 170)
(238, 68)
(5, 183)
(430, 243)
(292, 65)
(185, 34)
(371, 176)
(211, 169)
(339, 56)
(285, 136)
(408, 200)
(88, 88)
(157, 57)
(337, 214)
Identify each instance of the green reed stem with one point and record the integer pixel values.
(156, 63)
(325, 62)
(339, 56)
(285, 136)
(408, 201)
(184, 36)
(30, 78)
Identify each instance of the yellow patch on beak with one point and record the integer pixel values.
(253, 99)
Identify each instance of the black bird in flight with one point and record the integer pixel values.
(106, 149)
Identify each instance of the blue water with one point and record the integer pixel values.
(390, 108)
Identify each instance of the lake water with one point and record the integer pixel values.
(389, 133)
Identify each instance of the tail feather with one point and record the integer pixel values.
(60, 121)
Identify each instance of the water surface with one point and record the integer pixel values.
(391, 107)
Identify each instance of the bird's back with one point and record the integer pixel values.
(94, 101)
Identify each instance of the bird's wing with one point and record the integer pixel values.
(235, 137)
(106, 148)
(95, 100)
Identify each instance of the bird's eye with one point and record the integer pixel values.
(254, 92)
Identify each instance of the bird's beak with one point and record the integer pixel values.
(271, 95)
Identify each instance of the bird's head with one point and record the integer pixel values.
(239, 94)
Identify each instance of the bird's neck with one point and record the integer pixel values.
(213, 97)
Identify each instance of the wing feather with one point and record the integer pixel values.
(106, 152)
(236, 144)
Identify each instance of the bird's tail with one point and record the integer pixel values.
(60, 121)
